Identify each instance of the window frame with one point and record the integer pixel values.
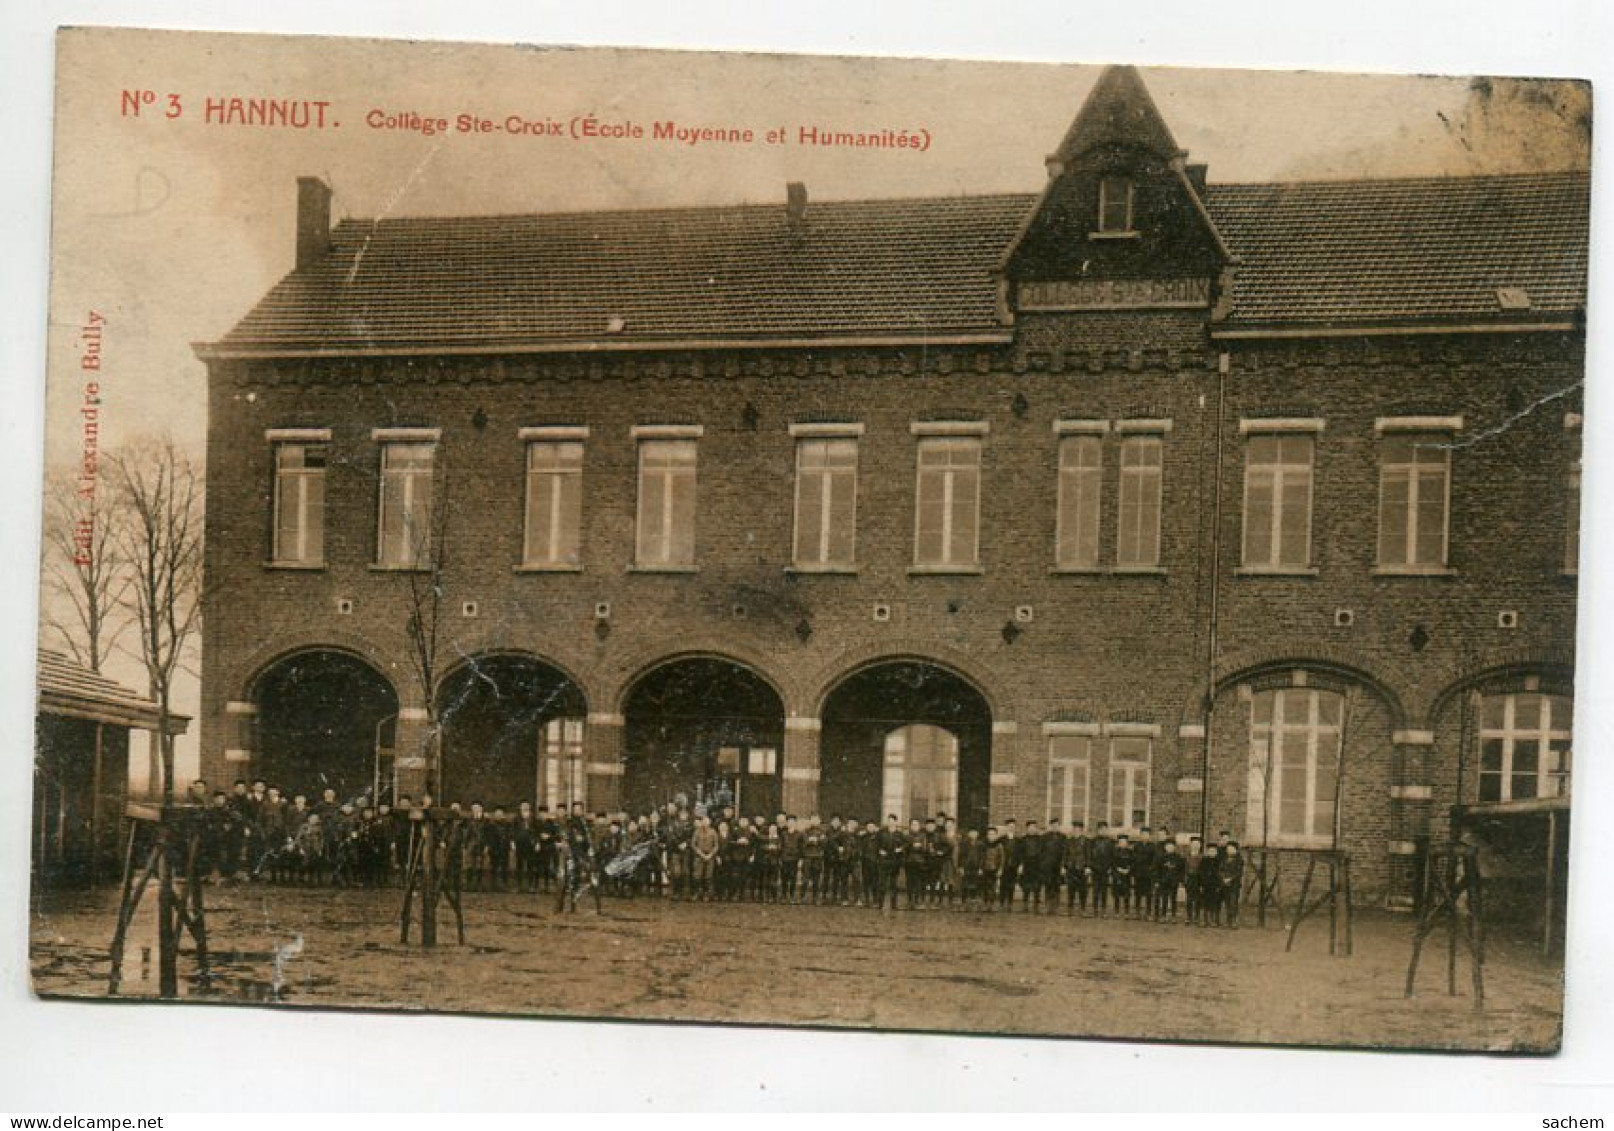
(1279, 429)
(1067, 810)
(390, 440)
(1266, 783)
(557, 436)
(280, 441)
(1102, 228)
(1134, 433)
(563, 750)
(648, 437)
(902, 805)
(1509, 734)
(1415, 428)
(827, 434)
(931, 435)
(1119, 821)
(1070, 435)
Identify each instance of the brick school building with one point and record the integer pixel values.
(1142, 499)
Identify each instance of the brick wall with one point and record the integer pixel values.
(1102, 646)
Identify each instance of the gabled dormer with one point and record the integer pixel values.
(1121, 222)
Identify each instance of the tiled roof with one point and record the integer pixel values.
(1310, 254)
(1432, 248)
(861, 268)
(68, 688)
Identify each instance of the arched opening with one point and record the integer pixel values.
(910, 738)
(703, 726)
(324, 718)
(511, 731)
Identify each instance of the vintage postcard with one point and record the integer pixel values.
(858, 543)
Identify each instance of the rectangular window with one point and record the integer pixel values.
(1525, 746)
(1277, 500)
(554, 503)
(667, 504)
(405, 523)
(947, 510)
(826, 502)
(1081, 477)
(1138, 539)
(1414, 498)
(300, 503)
(1115, 204)
(1294, 765)
(565, 777)
(1070, 763)
(1129, 782)
(762, 760)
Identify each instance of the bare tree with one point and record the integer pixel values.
(424, 530)
(428, 536)
(86, 571)
(158, 494)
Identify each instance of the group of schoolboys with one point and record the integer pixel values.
(256, 832)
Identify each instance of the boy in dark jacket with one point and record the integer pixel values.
(993, 855)
(1102, 855)
(1169, 871)
(813, 846)
(1078, 866)
(1011, 865)
(1231, 874)
(1144, 854)
(1210, 887)
(1190, 879)
(790, 853)
(1031, 862)
(915, 864)
(1053, 865)
(971, 861)
(1122, 866)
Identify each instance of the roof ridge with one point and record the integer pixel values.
(685, 209)
(1418, 178)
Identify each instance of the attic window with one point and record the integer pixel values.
(1115, 206)
(1513, 298)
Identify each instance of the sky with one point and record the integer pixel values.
(171, 228)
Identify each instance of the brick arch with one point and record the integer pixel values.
(1343, 664)
(1556, 671)
(648, 660)
(353, 644)
(467, 657)
(985, 681)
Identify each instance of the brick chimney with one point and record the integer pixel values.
(796, 210)
(313, 220)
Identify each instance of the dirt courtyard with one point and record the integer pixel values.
(652, 959)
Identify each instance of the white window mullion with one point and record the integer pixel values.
(825, 496)
(1279, 483)
(299, 532)
(668, 487)
(1414, 480)
(556, 493)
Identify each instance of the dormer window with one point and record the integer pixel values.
(1115, 206)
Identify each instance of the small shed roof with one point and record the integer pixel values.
(67, 688)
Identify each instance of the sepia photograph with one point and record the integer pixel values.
(1076, 551)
